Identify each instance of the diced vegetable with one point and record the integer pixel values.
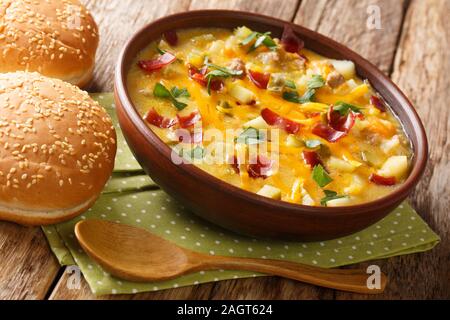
(216, 48)
(251, 136)
(329, 196)
(389, 145)
(340, 165)
(162, 92)
(277, 82)
(395, 166)
(241, 94)
(196, 59)
(242, 32)
(257, 123)
(224, 107)
(344, 67)
(372, 158)
(292, 141)
(320, 176)
(270, 192)
(356, 186)
(341, 202)
(312, 143)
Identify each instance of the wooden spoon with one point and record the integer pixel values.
(137, 255)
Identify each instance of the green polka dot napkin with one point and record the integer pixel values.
(133, 198)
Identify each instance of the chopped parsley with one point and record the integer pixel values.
(329, 195)
(250, 136)
(261, 39)
(219, 72)
(343, 108)
(314, 83)
(161, 91)
(320, 176)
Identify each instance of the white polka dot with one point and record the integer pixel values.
(250, 249)
(304, 246)
(318, 253)
(314, 262)
(357, 238)
(103, 215)
(202, 235)
(375, 235)
(236, 240)
(268, 248)
(413, 218)
(372, 243)
(354, 247)
(350, 257)
(152, 226)
(202, 272)
(108, 208)
(138, 220)
(263, 257)
(134, 196)
(336, 250)
(134, 290)
(395, 222)
(123, 214)
(217, 242)
(124, 182)
(404, 244)
(386, 248)
(378, 226)
(410, 227)
(89, 266)
(113, 291)
(163, 208)
(231, 250)
(158, 216)
(143, 211)
(149, 202)
(187, 229)
(392, 231)
(400, 206)
(99, 283)
(398, 214)
(175, 285)
(173, 222)
(155, 288)
(282, 256)
(369, 252)
(154, 194)
(168, 200)
(235, 277)
(83, 217)
(300, 254)
(322, 244)
(216, 279)
(332, 260)
(114, 199)
(339, 241)
(129, 205)
(422, 239)
(389, 239)
(119, 282)
(407, 235)
(182, 237)
(286, 247)
(198, 244)
(168, 232)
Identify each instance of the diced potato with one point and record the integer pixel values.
(340, 165)
(389, 145)
(242, 32)
(307, 200)
(241, 94)
(270, 192)
(292, 141)
(372, 158)
(344, 67)
(356, 186)
(257, 123)
(196, 58)
(395, 166)
(346, 201)
(216, 48)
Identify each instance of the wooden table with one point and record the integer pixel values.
(412, 46)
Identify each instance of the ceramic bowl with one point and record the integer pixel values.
(236, 209)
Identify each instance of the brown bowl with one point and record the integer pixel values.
(232, 207)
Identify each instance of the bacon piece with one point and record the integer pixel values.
(158, 120)
(235, 164)
(339, 122)
(158, 63)
(327, 133)
(311, 158)
(261, 168)
(378, 103)
(189, 120)
(261, 80)
(199, 75)
(290, 41)
(383, 181)
(171, 37)
(274, 119)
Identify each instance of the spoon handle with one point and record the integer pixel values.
(352, 280)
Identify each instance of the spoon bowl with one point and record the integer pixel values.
(137, 255)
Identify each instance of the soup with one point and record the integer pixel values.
(270, 116)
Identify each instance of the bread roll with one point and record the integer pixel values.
(57, 149)
(57, 38)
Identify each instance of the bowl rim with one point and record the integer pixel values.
(418, 130)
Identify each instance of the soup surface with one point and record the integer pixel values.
(270, 116)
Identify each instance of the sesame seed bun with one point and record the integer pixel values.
(57, 38)
(57, 149)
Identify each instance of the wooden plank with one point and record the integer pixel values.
(421, 69)
(62, 292)
(283, 9)
(117, 21)
(27, 266)
(346, 22)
